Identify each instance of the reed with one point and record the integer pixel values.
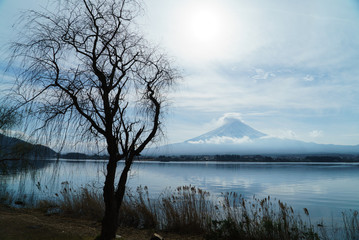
(258, 219)
(85, 202)
(351, 225)
(138, 210)
(188, 209)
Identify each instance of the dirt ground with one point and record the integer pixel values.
(33, 224)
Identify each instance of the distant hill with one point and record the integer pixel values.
(14, 148)
(235, 137)
(82, 156)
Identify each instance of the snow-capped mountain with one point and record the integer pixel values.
(232, 129)
(236, 137)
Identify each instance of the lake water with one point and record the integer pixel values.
(326, 189)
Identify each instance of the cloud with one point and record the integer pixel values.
(262, 75)
(223, 140)
(315, 133)
(212, 92)
(283, 134)
(308, 78)
(227, 117)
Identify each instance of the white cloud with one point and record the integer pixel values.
(284, 134)
(315, 133)
(308, 78)
(223, 140)
(228, 117)
(262, 75)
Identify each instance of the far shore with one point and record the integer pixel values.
(291, 158)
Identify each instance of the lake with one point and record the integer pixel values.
(325, 189)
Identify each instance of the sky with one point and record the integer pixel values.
(286, 68)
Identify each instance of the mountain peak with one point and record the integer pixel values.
(232, 128)
(236, 137)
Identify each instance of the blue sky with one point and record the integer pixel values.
(287, 68)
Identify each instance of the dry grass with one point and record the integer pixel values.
(351, 225)
(193, 211)
(258, 219)
(187, 209)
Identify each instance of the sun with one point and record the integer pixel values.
(204, 29)
(205, 25)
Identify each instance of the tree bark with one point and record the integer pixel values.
(109, 222)
(110, 219)
(113, 198)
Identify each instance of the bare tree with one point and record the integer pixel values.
(85, 66)
(8, 117)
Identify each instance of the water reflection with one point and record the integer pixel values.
(325, 189)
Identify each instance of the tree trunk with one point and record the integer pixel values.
(113, 199)
(109, 221)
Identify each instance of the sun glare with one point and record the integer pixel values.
(205, 26)
(204, 29)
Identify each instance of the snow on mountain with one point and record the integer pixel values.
(236, 137)
(233, 131)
